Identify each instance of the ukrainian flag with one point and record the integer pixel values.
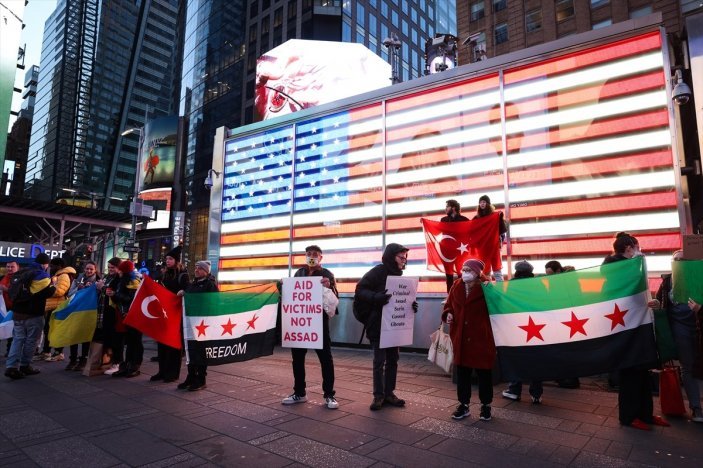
(74, 320)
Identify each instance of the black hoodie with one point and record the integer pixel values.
(370, 290)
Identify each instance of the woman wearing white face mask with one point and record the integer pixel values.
(472, 338)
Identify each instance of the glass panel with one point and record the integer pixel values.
(533, 20)
(477, 10)
(564, 9)
(589, 154)
(440, 144)
(501, 33)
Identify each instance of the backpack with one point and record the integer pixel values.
(361, 313)
(19, 286)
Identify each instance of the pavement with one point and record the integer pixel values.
(63, 419)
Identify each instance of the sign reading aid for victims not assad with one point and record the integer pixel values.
(301, 313)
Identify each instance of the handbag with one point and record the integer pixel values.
(441, 351)
(670, 396)
(95, 360)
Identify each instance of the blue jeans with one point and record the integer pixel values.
(685, 339)
(24, 339)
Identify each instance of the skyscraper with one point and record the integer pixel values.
(224, 38)
(106, 65)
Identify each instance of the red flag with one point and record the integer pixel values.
(450, 244)
(156, 312)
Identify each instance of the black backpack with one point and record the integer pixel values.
(361, 313)
(19, 286)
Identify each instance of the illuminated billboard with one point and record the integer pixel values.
(158, 159)
(572, 148)
(300, 74)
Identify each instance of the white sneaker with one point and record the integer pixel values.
(331, 402)
(293, 399)
(113, 368)
(697, 415)
(510, 396)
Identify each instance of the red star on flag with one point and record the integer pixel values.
(201, 328)
(617, 317)
(576, 325)
(251, 323)
(533, 330)
(228, 327)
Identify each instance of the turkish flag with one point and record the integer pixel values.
(156, 312)
(450, 244)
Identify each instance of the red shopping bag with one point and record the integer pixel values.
(670, 392)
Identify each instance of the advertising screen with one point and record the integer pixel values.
(158, 159)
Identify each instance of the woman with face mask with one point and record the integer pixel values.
(472, 338)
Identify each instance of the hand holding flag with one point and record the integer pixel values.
(156, 312)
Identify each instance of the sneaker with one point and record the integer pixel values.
(197, 386)
(56, 357)
(29, 370)
(697, 415)
(485, 413)
(41, 357)
(394, 401)
(82, 362)
(13, 373)
(293, 399)
(510, 395)
(462, 411)
(185, 384)
(331, 402)
(659, 421)
(112, 369)
(376, 404)
(641, 425)
(156, 377)
(536, 400)
(71, 365)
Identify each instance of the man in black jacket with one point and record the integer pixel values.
(28, 315)
(371, 295)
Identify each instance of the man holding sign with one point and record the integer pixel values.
(300, 307)
(371, 296)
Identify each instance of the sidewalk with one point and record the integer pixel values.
(62, 419)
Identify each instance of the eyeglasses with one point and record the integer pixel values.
(402, 258)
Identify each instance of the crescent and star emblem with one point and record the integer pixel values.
(145, 307)
(438, 240)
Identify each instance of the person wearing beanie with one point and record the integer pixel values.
(203, 282)
(523, 269)
(28, 313)
(62, 278)
(113, 329)
(494, 264)
(122, 297)
(175, 279)
(453, 215)
(313, 267)
(472, 338)
(370, 296)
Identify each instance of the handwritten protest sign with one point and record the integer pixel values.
(301, 313)
(398, 318)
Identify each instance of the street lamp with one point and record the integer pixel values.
(393, 44)
(133, 207)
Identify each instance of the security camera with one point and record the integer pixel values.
(208, 183)
(681, 93)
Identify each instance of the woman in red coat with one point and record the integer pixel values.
(472, 338)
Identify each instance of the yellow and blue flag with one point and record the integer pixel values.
(74, 320)
(6, 322)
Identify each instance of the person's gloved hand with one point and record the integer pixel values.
(415, 306)
(382, 298)
(450, 318)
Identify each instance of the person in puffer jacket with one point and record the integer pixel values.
(62, 277)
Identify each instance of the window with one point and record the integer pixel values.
(265, 25)
(564, 9)
(479, 47)
(477, 11)
(253, 9)
(360, 15)
(640, 12)
(599, 3)
(499, 5)
(602, 24)
(292, 9)
(533, 20)
(501, 33)
(252, 33)
(278, 18)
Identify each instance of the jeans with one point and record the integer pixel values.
(535, 388)
(24, 339)
(326, 364)
(463, 387)
(685, 339)
(384, 381)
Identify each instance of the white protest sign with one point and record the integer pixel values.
(398, 318)
(301, 313)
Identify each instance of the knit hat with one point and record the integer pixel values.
(126, 267)
(42, 259)
(485, 198)
(475, 264)
(57, 261)
(204, 265)
(175, 253)
(523, 267)
(115, 261)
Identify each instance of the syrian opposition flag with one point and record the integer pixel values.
(156, 312)
(232, 326)
(573, 324)
(6, 322)
(450, 244)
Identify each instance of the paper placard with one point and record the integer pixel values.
(301, 313)
(398, 319)
(693, 247)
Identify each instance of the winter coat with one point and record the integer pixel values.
(175, 280)
(41, 289)
(124, 294)
(370, 290)
(207, 284)
(62, 279)
(471, 333)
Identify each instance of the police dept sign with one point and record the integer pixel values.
(23, 252)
